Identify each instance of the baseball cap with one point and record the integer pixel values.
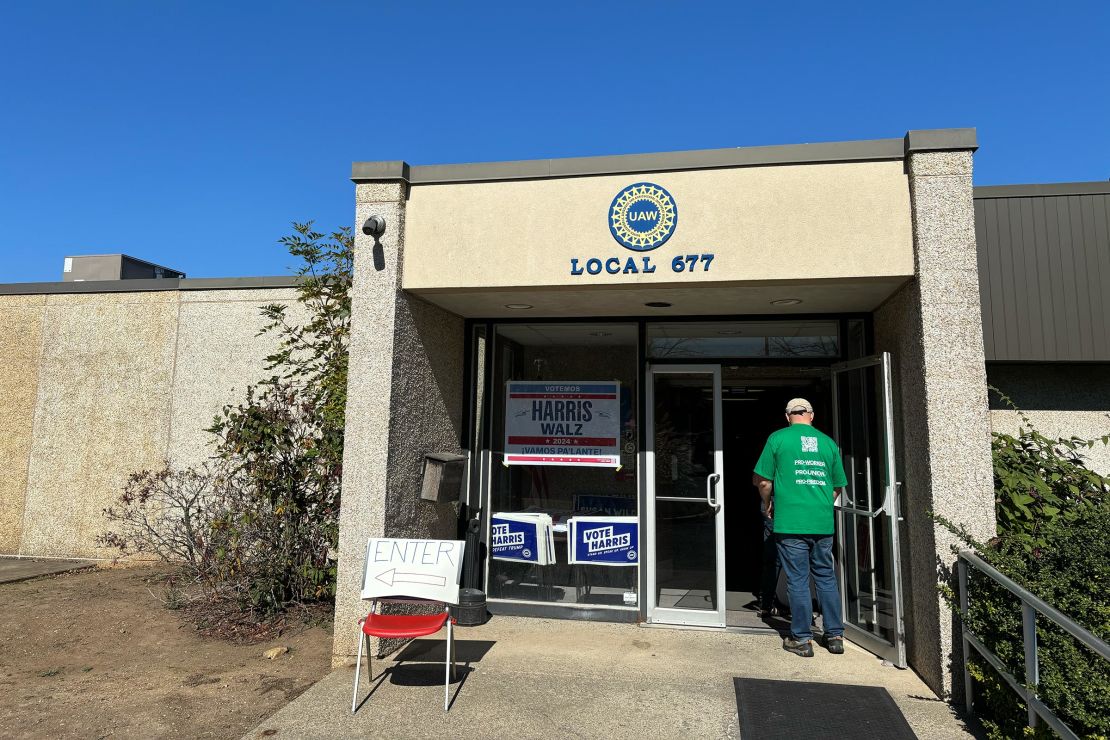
(799, 404)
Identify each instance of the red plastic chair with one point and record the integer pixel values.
(405, 627)
(413, 571)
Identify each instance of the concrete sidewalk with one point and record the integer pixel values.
(537, 678)
(14, 569)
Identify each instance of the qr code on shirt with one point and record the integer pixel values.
(809, 444)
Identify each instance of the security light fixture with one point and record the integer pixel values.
(786, 302)
(518, 306)
(374, 226)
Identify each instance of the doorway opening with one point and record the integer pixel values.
(753, 402)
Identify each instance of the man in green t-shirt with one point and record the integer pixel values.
(797, 475)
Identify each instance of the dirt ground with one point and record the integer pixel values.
(94, 654)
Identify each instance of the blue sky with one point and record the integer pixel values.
(192, 133)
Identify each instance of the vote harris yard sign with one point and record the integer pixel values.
(603, 540)
(563, 423)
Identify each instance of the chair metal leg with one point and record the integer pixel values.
(448, 667)
(358, 668)
(369, 658)
(451, 644)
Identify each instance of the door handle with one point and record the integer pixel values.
(887, 507)
(867, 513)
(710, 481)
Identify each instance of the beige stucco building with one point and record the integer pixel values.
(102, 379)
(845, 272)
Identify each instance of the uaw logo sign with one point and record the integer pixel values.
(643, 216)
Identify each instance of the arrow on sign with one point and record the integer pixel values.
(391, 576)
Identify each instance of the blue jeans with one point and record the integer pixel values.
(802, 556)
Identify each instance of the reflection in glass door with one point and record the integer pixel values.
(685, 501)
(867, 545)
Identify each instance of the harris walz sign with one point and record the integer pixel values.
(562, 423)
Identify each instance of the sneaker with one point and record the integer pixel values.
(835, 645)
(804, 649)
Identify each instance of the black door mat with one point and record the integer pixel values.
(789, 710)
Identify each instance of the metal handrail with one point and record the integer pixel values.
(1031, 605)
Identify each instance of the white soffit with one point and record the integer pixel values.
(817, 297)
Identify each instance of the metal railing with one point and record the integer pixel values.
(1030, 607)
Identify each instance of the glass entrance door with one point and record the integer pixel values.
(685, 495)
(868, 552)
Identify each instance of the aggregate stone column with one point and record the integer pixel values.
(944, 414)
(377, 278)
(404, 400)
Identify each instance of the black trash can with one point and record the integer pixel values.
(471, 610)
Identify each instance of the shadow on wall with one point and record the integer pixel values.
(425, 414)
(1051, 387)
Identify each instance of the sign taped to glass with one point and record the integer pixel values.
(602, 505)
(562, 423)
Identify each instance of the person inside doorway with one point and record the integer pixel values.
(797, 475)
(770, 568)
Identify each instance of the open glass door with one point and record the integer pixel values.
(868, 553)
(685, 502)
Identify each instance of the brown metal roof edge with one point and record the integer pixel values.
(1044, 189)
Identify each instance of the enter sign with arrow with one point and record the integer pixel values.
(393, 576)
(412, 568)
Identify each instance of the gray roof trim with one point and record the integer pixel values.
(696, 159)
(625, 164)
(146, 286)
(1047, 189)
(370, 171)
(941, 140)
(240, 283)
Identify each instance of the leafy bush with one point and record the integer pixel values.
(260, 527)
(282, 532)
(1053, 525)
(1071, 571)
(1038, 479)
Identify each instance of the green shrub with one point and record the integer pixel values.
(1054, 540)
(1038, 479)
(283, 444)
(1071, 571)
(258, 529)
